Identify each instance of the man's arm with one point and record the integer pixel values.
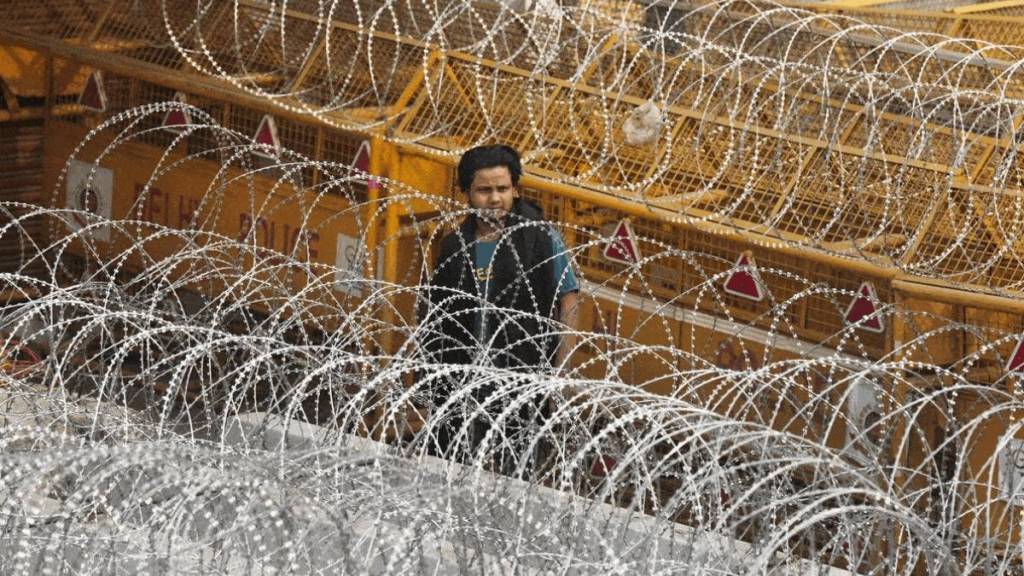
(568, 306)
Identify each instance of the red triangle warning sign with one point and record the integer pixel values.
(623, 247)
(602, 466)
(177, 119)
(861, 310)
(744, 281)
(93, 97)
(266, 138)
(1016, 363)
(362, 160)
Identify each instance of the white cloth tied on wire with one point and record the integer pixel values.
(643, 124)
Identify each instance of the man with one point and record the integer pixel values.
(501, 285)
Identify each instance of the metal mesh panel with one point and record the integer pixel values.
(341, 148)
(59, 18)
(985, 361)
(448, 115)
(21, 163)
(549, 203)
(956, 242)
(205, 140)
(715, 257)
(265, 56)
(210, 40)
(1002, 33)
(824, 316)
(833, 210)
(502, 94)
(144, 93)
(121, 92)
(360, 70)
(1011, 11)
(660, 275)
(301, 138)
(130, 30)
(1004, 169)
(911, 22)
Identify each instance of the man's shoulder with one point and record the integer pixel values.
(529, 210)
(449, 243)
(454, 239)
(538, 227)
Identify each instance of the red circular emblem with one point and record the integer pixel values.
(86, 200)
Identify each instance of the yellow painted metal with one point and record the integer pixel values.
(69, 73)
(36, 113)
(414, 84)
(379, 163)
(986, 7)
(950, 293)
(680, 208)
(13, 106)
(391, 239)
(847, 4)
(24, 72)
(422, 173)
(171, 200)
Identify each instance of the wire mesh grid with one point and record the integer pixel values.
(63, 19)
(359, 71)
(125, 29)
(1004, 33)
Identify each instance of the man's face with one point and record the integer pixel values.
(492, 192)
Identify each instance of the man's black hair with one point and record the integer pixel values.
(483, 157)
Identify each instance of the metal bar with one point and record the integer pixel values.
(373, 189)
(806, 162)
(13, 107)
(923, 231)
(318, 154)
(986, 6)
(40, 113)
(847, 4)
(48, 88)
(69, 72)
(177, 80)
(391, 237)
(413, 86)
(928, 289)
(307, 66)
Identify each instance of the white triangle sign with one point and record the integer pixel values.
(1015, 364)
(268, 145)
(744, 281)
(361, 163)
(93, 96)
(862, 312)
(177, 119)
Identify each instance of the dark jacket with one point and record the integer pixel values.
(521, 296)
